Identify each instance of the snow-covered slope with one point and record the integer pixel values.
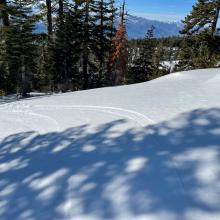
(147, 151)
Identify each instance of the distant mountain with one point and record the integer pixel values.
(138, 26)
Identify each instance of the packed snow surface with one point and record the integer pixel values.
(149, 151)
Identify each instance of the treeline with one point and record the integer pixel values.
(83, 48)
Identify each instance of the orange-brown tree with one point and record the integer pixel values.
(119, 59)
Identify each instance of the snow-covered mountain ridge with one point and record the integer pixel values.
(137, 27)
(145, 151)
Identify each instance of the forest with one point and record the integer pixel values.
(86, 46)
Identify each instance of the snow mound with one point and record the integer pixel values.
(146, 151)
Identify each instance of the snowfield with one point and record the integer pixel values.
(148, 151)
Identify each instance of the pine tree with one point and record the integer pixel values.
(46, 74)
(204, 15)
(119, 59)
(199, 51)
(4, 24)
(199, 42)
(87, 39)
(60, 50)
(43, 80)
(142, 68)
(21, 48)
(75, 46)
(103, 32)
(112, 18)
(68, 49)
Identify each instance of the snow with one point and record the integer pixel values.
(170, 65)
(147, 151)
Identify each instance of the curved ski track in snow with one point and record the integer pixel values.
(23, 109)
(137, 117)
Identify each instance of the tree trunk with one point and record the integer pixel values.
(102, 49)
(24, 83)
(60, 9)
(49, 18)
(85, 49)
(112, 34)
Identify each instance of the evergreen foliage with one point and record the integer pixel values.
(82, 47)
(20, 48)
(103, 32)
(200, 48)
(146, 65)
(119, 57)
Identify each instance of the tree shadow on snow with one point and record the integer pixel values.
(166, 171)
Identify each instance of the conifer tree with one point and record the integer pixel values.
(103, 33)
(4, 24)
(42, 13)
(74, 25)
(204, 15)
(21, 48)
(199, 42)
(43, 80)
(87, 35)
(143, 69)
(68, 47)
(60, 50)
(119, 60)
(112, 18)
(199, 51)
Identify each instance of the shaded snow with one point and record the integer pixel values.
(147, 151)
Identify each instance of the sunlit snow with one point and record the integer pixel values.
(148, 151)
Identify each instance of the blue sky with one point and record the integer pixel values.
(164, 10)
